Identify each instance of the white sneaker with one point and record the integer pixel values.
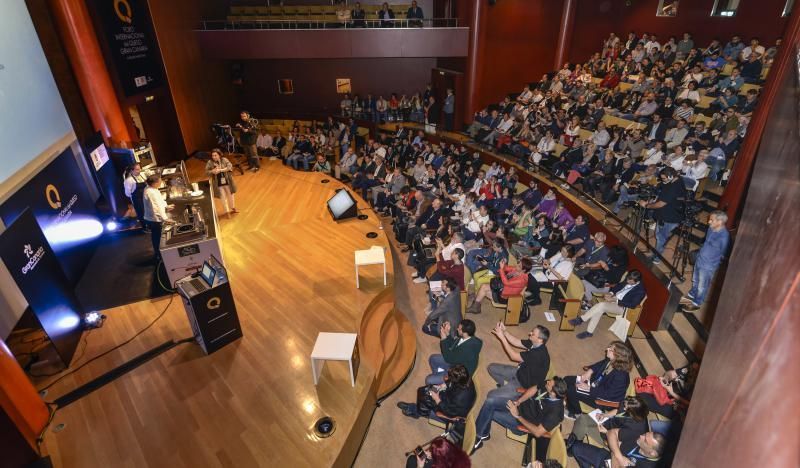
(420, 280)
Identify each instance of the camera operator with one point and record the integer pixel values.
(247, 138)
(667, 207)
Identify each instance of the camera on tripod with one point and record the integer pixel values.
(690, 210)
(644, 192)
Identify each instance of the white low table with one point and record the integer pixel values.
(334, 347)
(373, 256)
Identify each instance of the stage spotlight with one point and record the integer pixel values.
(112, 225)
(73, 231)
(93, 320)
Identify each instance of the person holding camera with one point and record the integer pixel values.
(453, 399)
(667, 207)
(448, 309)
(248, 134)
(440, 452)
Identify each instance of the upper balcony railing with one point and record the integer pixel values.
(306, 37)
(310, 22)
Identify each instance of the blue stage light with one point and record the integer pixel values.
(111, 225)
(74, 231)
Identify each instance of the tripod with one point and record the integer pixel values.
(636, 220)
(682, 248)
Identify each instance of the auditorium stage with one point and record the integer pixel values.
(252, 403)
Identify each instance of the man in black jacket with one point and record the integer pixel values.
(415, 13)
(248, 134)
(429, 219)
(358, 15)
(462, 348)
(625, 295)
(455, 400)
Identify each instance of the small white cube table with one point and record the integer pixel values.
(333, 347)
(373, 256)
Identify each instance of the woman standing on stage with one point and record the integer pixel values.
(221, 172)
(135, 183)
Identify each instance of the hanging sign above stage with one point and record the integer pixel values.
(131, 42)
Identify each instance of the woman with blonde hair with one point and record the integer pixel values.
(602, 384)
(220, 170)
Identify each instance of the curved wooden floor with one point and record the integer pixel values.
(252, 403)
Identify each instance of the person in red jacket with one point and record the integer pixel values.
(514, 281)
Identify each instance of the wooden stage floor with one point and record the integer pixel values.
(252, 403)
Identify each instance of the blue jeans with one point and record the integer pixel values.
(436, 361)
(624, 197)
(701, 281)
(663, 231)
(716, 165)
(589, 456)
(494, 408)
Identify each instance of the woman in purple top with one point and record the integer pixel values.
(548, 204)
(561, 217)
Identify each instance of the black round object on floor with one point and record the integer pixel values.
(362, 217)
(372, 235)
(324, 427)
(325, 181)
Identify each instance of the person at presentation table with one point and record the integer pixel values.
(155, 212)
(134, 183)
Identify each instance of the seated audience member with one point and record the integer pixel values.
(371, 177)
(603, 384)
(452, 266)
(429, 219)
(631, 418)
(625, 295)
(440, 453)
(263, 142)
(322, 165)
(461, 347)
(530, 373)
(670, 394)
(485, 263)
(386, 194)
(601, 281)
(303, 151)
(447, 310)
(453, 399)
(593, 255)
(539, 415)
(629, 443)
(513, 281)
(693, 170)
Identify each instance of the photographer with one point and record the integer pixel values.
(453, 399)
(248, 134)
(667, 207)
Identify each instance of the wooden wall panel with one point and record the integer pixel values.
(201, 89)
(315, 82)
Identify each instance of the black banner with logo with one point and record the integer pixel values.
(36, 270)
(59, 199)
(131, 42)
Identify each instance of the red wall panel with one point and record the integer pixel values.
(596, 19)
(519, 45)
(315, 81)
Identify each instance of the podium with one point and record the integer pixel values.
(210, 308)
